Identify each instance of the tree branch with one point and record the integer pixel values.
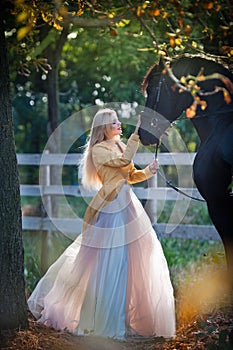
(91, 22)
(141, 20)
(187, 86)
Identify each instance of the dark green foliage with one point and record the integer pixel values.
(181, 252)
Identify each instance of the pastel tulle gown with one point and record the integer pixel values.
(112, 281)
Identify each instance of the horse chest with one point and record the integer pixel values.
(210, 172)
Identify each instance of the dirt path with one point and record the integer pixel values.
(215, 329)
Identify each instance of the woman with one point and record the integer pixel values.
(113, 281)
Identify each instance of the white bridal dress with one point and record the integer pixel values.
(112, 281)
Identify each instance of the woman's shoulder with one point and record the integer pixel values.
(102, 144)
(100, 147)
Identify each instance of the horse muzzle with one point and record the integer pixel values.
(146, 137)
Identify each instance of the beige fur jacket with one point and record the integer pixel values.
(113, 161)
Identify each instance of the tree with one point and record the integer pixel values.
(13, 311)
(178, 26)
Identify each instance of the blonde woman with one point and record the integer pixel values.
(113, 281)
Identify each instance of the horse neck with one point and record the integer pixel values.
(205, 125)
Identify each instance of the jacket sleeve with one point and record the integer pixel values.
(103, 156)
(139, 175)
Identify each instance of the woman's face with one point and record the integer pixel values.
(114, 128)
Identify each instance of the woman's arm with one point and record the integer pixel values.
(136, 175)
(104, 155)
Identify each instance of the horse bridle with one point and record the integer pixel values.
(154, 124)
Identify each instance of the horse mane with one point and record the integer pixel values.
(147, 77)
(221, 60)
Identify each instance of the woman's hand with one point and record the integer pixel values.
(137, 125)
(154, 166)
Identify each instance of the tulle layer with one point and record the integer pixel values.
(112, 281)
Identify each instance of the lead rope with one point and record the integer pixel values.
(169, 182)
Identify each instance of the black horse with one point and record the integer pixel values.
(213, 165)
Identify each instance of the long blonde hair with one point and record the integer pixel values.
(99, 132)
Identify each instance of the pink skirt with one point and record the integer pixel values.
(112, 281)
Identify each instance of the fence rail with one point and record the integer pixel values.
(151, 194)
(74, 158)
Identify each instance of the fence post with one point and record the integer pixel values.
(151, 204)
(46, 243)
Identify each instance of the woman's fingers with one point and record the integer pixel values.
(154, 166)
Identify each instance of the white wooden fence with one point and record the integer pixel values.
(151, 194)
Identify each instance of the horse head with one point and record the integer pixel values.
(163, 104)
(165, 101)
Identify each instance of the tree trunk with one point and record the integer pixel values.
(13, 309)
(53, 54)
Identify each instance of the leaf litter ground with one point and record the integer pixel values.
(210, 331)
(204, 312)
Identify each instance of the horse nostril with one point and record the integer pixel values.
(154, 122)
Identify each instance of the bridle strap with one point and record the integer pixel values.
(156, 149)
(159, 91)
(169, 182)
